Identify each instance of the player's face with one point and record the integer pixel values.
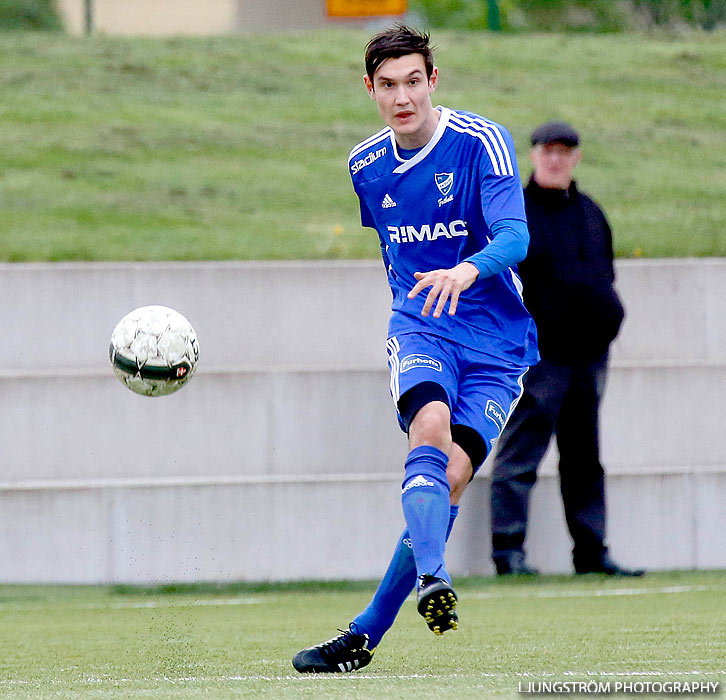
(403, 95)
(554, 164)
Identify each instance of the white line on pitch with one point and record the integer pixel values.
(483, 595)
(133, 604)
(180, 680)
(588, 593)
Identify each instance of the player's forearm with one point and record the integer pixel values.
(507, 247)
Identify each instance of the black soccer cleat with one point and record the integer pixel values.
(437, 604)
(342, 654)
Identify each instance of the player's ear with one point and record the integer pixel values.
(577, 154)
(434, 79)
(369, 86)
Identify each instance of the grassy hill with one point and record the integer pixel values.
(236, 147)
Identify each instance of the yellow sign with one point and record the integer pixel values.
(365, 8)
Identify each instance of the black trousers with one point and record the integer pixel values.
(564, 400)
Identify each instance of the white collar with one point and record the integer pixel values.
(408, 164)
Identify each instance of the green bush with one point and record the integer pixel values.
(28, 14)
(570, 15)
(706, 14)
(452, 14)
(529, 15)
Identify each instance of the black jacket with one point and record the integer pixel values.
(568, 274)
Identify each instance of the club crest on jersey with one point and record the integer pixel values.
(444, 181)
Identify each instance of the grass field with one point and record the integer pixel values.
(236, 641)
(235, 148)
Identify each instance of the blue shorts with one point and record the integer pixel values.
(482, 390)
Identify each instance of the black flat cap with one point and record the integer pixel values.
(555, 132)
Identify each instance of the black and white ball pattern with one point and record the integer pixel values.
(154, 350)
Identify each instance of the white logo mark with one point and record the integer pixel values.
(370, 158)
(415, 482)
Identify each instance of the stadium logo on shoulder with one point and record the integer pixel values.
(415, 361)
(444, 181)
(370, 158)
(495, 412)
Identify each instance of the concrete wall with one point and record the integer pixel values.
(287, 431)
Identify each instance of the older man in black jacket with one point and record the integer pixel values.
(568, 280)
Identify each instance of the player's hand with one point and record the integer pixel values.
(445, 285)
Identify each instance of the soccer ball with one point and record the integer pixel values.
(154, 350)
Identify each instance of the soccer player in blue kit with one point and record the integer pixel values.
(442, 189)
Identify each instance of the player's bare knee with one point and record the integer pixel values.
(431, 426)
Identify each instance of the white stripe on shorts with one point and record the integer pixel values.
(520, 381)
(395, 365)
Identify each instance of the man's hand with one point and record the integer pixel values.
(444, 284)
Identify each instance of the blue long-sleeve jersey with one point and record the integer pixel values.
(444, 206)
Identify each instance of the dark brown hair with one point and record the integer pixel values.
(395, 42)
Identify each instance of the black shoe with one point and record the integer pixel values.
(513, 563)
(344, 653)
(437, 604)
(605, 565)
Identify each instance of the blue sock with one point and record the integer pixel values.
(395, 586)
(425, 501)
